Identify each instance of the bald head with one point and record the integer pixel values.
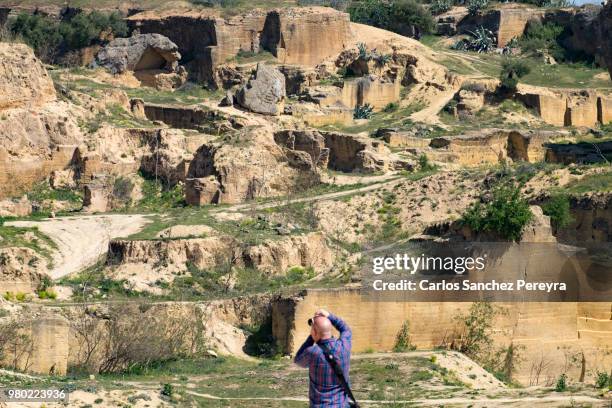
(322, 328)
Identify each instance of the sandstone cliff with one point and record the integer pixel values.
(143, 264)
(23, 79)
(293, 36)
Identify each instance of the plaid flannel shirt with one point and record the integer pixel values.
(325, 390)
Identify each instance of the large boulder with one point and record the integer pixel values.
(265, 92)
(140, 52)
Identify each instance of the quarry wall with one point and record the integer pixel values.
(544, 332)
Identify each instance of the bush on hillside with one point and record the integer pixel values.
(440, 6)
(505, 214)
(543, 37)
(399, 16)
(558, 209)
(512, 70)
(474, 6)
(50, 38)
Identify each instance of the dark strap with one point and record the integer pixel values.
(329, 356)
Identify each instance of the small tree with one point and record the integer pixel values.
(512, 71)
(558, 209)
(402, 340)
(505, 214)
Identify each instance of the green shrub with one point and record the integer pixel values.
(603, 380)
(506, 214)
(474, 6)
(391, 107)
(20, 297)
(440, 6)
(397, 16)
(299, 274)
(512, 70)
(558, 209)
(50, 38)
(540, 36)
(561, 383)
(47, 294)
(424, 164)
(167, 390)
(402, 339)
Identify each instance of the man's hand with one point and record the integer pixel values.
(322, 312)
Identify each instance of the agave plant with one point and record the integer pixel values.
(483, 40)
(382, 59)
(363, 51)
(363, 111)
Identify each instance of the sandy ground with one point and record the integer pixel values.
(87, 237)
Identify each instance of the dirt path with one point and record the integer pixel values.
(82, 240)
(553, 400)
(389, 181)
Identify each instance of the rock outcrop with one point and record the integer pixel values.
(591, 220)
(249, 165)
(139, 52)
(339, 151)
(21, 269)
(369, 90)
(292, 35)
(568, 107)
(23, 79)
(507, 21)
(144, 263)
(488, 146)
(581, 153)
(152, 57)
(264, 93)
(16, 207)
(38, 134)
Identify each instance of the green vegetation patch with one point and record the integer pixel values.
(600, 182)
(27, 237)
(506, 213)
(50, 38)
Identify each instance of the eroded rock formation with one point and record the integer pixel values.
(152, 57)
(293, 36)
(23, 79)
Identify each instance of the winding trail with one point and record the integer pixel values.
(388, 182)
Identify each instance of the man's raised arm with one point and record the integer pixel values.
(345, 331)
(302, 357)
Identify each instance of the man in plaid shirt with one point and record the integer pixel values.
(325, 389)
